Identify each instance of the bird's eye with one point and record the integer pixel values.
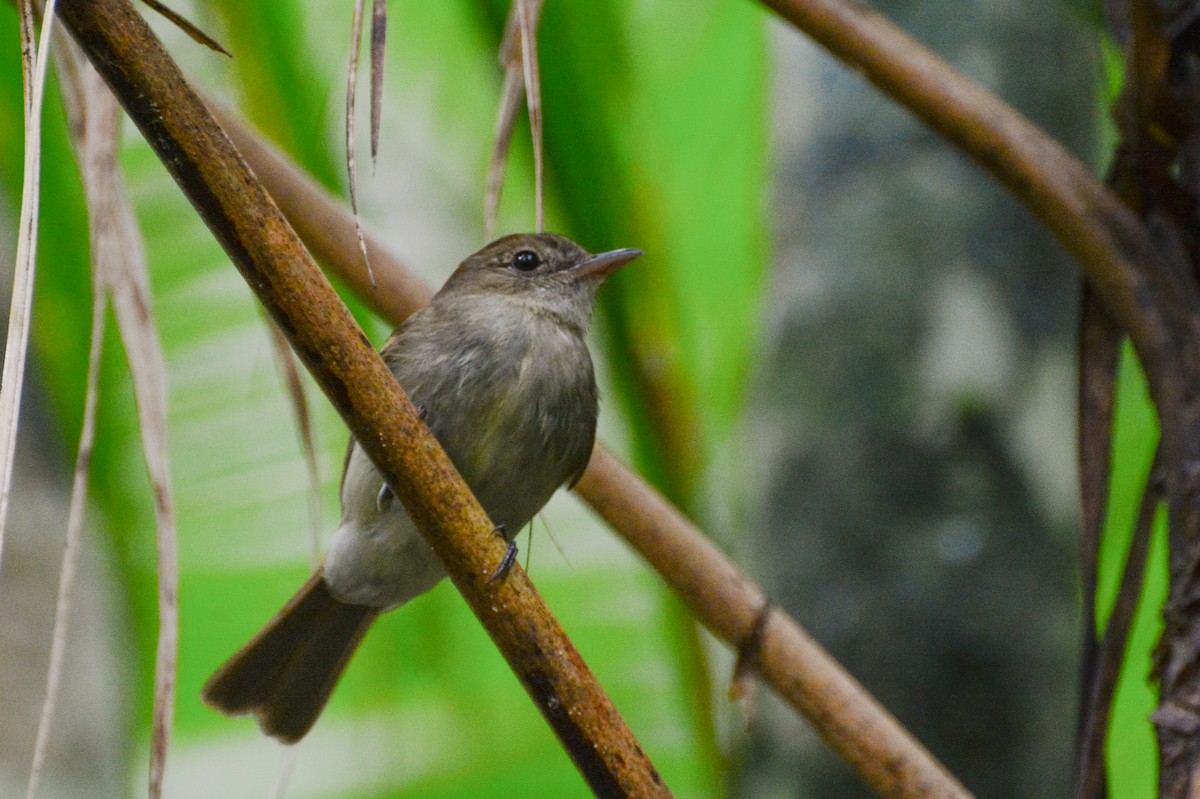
(526, 261)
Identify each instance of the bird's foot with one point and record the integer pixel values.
(385, 497)
(506, 562)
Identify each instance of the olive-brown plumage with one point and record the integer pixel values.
(499, 364)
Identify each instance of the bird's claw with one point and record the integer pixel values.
(383, 500)
(506, 562)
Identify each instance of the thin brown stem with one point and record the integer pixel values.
(1099, 347)
(282, 274)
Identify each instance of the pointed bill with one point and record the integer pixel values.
(604, 264)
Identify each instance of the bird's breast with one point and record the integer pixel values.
(516, 414)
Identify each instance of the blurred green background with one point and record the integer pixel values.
(846, 353)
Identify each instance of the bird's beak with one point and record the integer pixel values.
(601, 266)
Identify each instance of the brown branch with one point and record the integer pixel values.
(280, 271)
(722, 598)
(1099, 349)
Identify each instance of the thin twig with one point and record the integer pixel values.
(382, 419)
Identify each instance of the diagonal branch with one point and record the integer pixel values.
(722, 598)
(1099, 349)
(283, 276)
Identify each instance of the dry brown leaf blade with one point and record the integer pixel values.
(129, 288)
(128, 285)
(185, 25)
(119, 272)
(124, 271)
(378, 42)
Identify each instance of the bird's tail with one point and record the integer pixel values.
(285, 674)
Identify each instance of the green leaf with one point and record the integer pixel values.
(1131, 748)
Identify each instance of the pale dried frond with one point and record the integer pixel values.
(12, 379)
(129, 287)
(85, 129)
(119, 271)
(351, 169)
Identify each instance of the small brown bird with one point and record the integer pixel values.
(499, 364)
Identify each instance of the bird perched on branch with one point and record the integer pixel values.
(499, 365)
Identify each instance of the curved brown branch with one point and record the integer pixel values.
(722, 598)
(280, 271)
